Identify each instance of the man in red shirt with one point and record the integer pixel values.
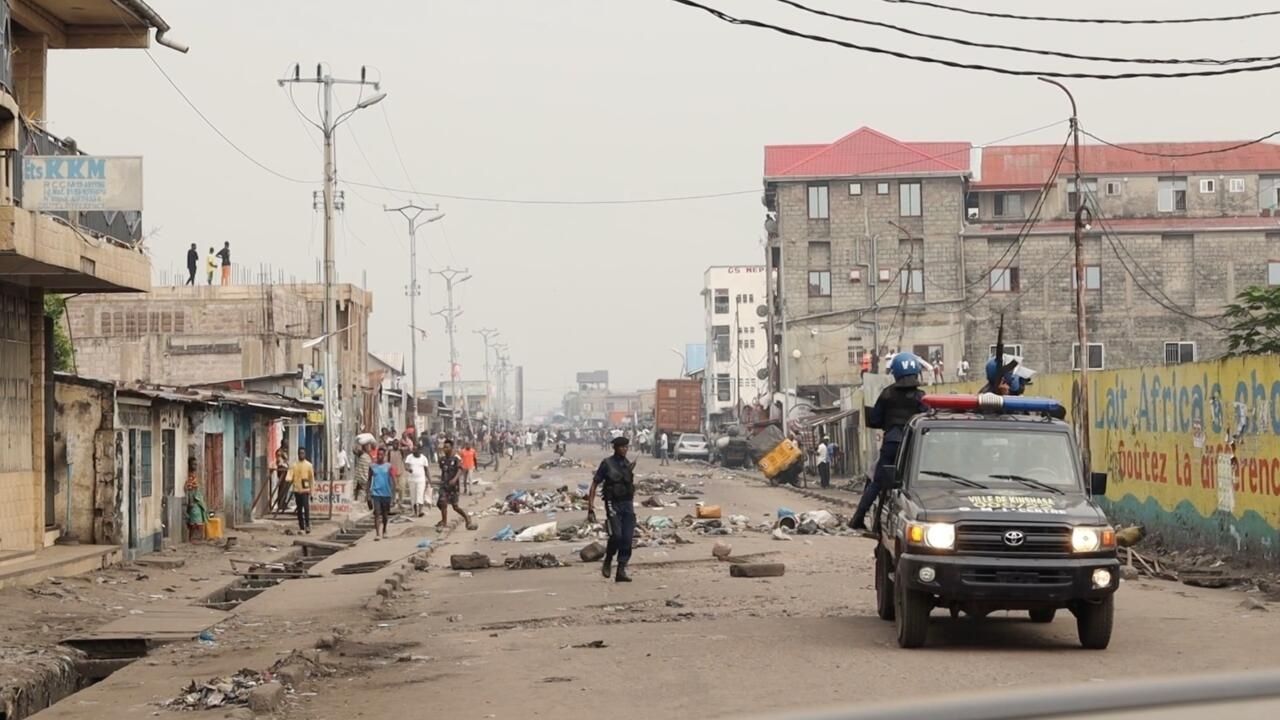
(468, 457)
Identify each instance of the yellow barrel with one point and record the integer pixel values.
(213, 528)
(778, 459)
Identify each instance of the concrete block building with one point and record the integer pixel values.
(46, 251)
(886, 245)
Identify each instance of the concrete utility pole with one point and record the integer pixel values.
(327, 125)
(504, 363)
(487, 333)
(411, 213)
(450, 315)
(1082, 331)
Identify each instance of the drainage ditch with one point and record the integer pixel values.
(88, 659)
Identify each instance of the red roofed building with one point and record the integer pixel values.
(880, 243)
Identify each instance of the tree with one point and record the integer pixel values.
(1254, 322)
(55, 306)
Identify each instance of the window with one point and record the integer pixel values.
(144, 455)
(720, 338)
(819, 202)
(1092, 277)
(722, 301)
(855, 188)
(1208, 186)
(1273, 272)
(724, 388)
(747, 344)
(1014, 349)
(1236, 185)
(1173, 194)
(882, 188)
(1073, 198)
(1176, 353)
(909, 199)
(819, 283)
(912, 281)
(1004, 279)
(1097, 356)
(1113, 188)
(1008, 205)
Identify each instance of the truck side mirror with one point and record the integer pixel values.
(1098, 483)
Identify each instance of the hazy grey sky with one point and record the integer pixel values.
(583, 99)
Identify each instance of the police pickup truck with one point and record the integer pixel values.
(989, 509)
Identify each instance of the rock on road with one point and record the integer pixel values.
(683, 639)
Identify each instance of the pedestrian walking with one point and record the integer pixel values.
(382, 486)
(197, 512)
(360, 473)
(417, 465)
(282, 480)
(896, 405)
(528, 443)
(450, 470)
(962, 370)
(225, 256)
(211, 264)
(193, 262)
(617, 475)
(824, 462)
(664, 448)
(468, 457)
(303, 476)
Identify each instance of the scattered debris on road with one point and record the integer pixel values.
(218, 692)
(470, 561)
(533, 562)
(592, 552)
(757, 570)
(593, 645)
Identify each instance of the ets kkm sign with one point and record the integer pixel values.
(58, 183)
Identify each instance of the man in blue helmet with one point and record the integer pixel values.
(895, 407)
(1003, 383)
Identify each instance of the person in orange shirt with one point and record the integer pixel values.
(468, 457)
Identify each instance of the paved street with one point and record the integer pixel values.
(683, 636)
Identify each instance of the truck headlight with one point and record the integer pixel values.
(940, 536)
(1092, 539)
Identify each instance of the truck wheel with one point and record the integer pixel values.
(1094, 622)
(884, 588)
(1043, 615)
(912, 612)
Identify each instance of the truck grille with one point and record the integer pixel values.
(1000, 576)
(1013, 540)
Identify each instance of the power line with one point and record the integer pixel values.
(733, 20)
(1023, 49)
(1215, 151)
(1097, 21)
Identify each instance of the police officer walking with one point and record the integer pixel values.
(895, 407)
(618, 476)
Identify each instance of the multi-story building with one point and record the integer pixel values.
(881, 245)
(474, 393)
(865, 254)
(737, 340)
(53, 238)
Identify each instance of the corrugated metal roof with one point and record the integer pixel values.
(866, 152)
(1029, 165)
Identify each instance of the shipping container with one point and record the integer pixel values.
(677, 407)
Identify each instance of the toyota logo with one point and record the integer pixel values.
(1014, 538)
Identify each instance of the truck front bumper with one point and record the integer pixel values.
(1012, 580)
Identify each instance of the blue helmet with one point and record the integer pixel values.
(904, 364)
(1014, 381)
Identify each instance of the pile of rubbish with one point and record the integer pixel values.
(562, 462)
(542, 532)
(814, 522)
(533, 562)
(219, 691)
(660, 485)
(520, 502)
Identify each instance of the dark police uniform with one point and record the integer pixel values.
(616, 477)
(895, 407)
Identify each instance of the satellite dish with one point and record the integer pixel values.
(762, 311)
(762, 374)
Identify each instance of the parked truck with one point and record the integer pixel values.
(677, 408)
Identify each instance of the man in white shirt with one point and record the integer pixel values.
(663, 448)
(824, 462)
(962, 370)
(528, 442)
(419, 475)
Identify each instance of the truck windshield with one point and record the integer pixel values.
(996, 457)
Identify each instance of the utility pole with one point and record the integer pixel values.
(450, 315)
(327, 125)
(411, 213)
(1082, 331)
(737, 355)
(503, 364)
(486, 334)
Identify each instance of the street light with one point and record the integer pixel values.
(684, 363)
(371, 100)
(317, 340)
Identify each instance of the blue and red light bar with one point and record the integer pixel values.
(990, 402)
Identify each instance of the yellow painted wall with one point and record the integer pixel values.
(1191, 450)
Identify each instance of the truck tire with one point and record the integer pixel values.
(1043, 615)
(884, 587)
(1094, 622)
(912, 614)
